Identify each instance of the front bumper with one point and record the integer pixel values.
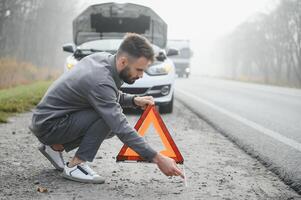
(160, 87)
(162, 93)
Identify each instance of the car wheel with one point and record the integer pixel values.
(168, 107)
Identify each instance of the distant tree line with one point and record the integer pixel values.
(265, 49)
(35, 30)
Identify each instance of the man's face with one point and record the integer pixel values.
(134, 70)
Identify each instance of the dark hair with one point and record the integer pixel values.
(136, 46)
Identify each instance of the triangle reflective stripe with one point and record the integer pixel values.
(151, 116)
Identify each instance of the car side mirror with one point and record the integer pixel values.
(172, 52)
(161, 56)
(69, 48)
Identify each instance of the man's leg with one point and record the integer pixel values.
(91, 140)
(89, 143)
(84, 128)
(87, 130)
(57, 147)
(74, 144)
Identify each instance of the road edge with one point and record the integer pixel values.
(246, 149)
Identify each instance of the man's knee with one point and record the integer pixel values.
(110, 135)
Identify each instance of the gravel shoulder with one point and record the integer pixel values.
(215, 167)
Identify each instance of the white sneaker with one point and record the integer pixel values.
(55, 157)
(82, 173)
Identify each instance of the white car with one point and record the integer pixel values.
(101, 28)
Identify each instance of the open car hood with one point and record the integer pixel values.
(113, 20)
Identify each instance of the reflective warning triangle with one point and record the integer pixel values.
(151, 116)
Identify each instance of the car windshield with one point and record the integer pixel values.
(108, 45)
(101, 45)
(111, 46)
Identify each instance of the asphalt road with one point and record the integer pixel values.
(263, 120)
(216, 169)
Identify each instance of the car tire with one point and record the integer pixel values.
(168, 107)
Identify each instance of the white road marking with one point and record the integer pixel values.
(277, 136)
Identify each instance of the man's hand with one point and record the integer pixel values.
(143, 102)
(167, 165)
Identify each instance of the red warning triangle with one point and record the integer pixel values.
(151, 115)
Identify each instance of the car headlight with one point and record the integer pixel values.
(71, 61)
(158, 69)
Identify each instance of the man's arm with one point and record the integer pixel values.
(167, 165)
(103, 98)
(126, 100)
(129, 100)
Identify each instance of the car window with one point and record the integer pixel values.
(111, 45)
(102, 45)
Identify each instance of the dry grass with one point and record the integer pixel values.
(22, 85)
(13, 73)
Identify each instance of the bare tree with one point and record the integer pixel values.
(34, 30)
(267, 48)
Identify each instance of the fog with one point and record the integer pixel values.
(202, 22)
(222, 35)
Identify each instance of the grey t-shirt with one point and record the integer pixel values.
(93, 84)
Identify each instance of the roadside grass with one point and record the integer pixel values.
(21, 98)
(15, 72)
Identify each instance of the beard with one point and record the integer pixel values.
(125, 75)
